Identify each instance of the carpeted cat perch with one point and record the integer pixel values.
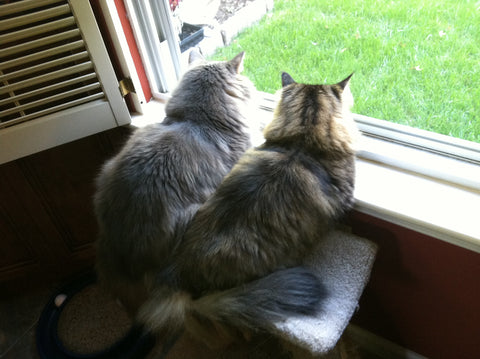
(344, 262)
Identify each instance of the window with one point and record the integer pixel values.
(413, 61)
(333, 37)
(280, 33)
(166, 29)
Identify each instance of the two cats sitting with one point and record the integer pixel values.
(201, 232)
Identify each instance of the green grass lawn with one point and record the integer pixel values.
(415, 62)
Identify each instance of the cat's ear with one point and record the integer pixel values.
(287, 79)
(345, 82)
(237, 62)
(195, 55)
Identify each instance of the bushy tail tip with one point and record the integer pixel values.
(257, 305)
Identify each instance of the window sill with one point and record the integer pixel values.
(435, 208)
(426, 203)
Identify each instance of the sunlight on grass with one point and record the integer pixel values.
(415, 62)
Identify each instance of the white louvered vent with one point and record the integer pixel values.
(44, 64)
(57, 83)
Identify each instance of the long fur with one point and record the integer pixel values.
(253, 306)
(239, 263)
(148, 193)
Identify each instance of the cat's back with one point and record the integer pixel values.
(270, 193)
(267, 213)
(160, 156)
(276, 196)
(278, 176)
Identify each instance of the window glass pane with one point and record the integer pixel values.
(415, 62)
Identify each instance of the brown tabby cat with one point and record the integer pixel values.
(148, 193)
(239, 264)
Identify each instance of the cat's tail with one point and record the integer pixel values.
(255, 306)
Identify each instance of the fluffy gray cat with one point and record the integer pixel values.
(239, 266)
(148, 193)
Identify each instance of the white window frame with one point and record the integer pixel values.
(158, 43)
(442, 157)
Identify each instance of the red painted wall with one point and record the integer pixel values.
(424, 294)
(127, 29)
(132, 45)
